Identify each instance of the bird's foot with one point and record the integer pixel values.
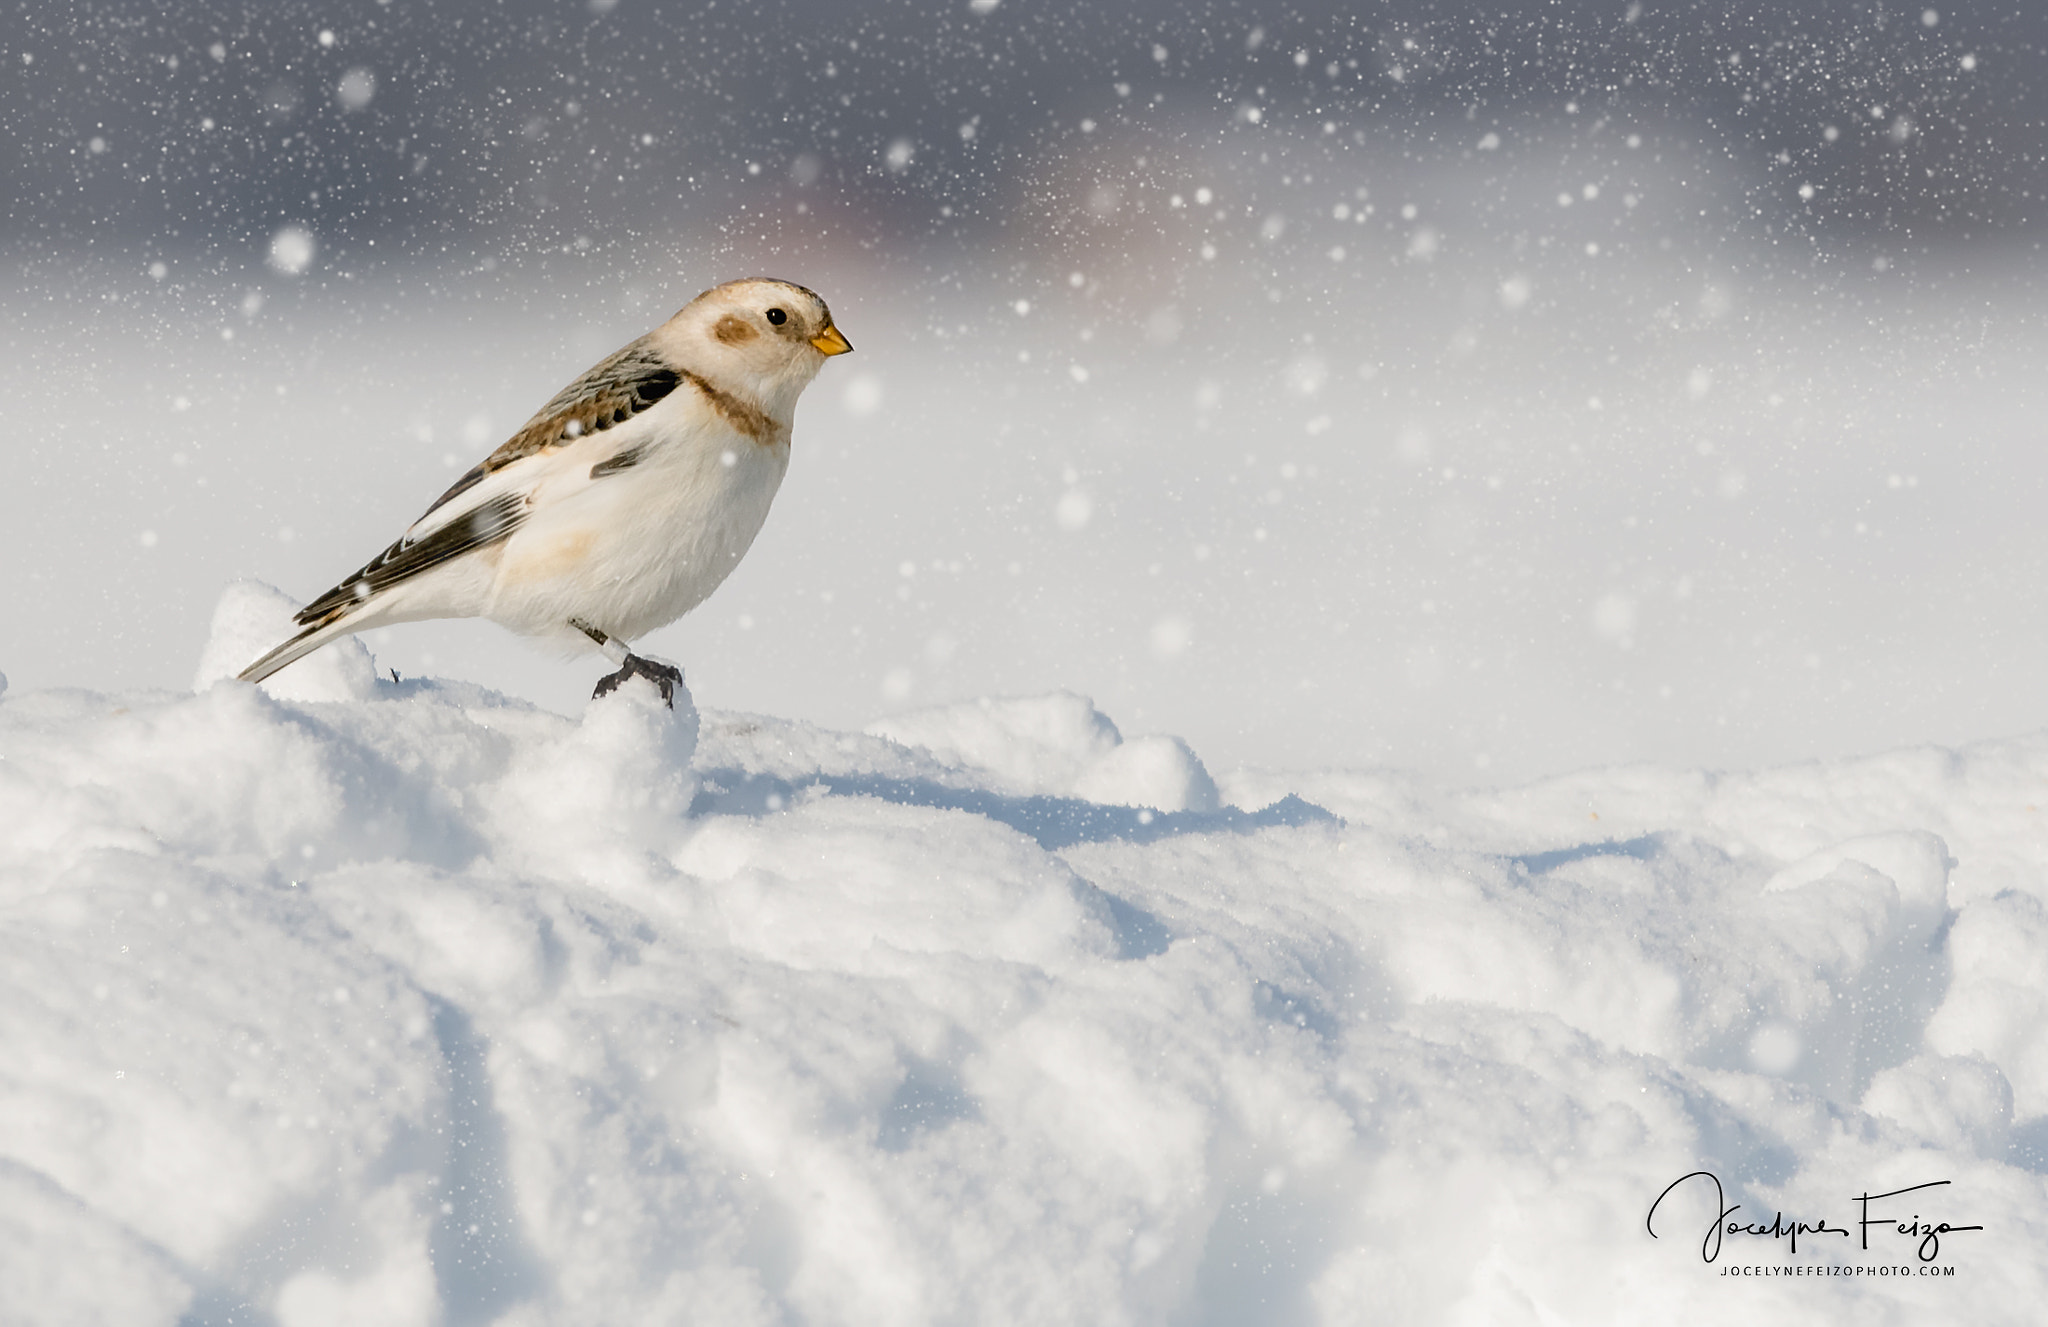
(666, 678)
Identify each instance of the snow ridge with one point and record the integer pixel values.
(415, 1004)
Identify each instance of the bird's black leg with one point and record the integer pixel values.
(665, 678)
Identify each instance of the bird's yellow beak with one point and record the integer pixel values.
(830, 342)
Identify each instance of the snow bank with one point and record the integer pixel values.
(403, 1002)
(1060, 746)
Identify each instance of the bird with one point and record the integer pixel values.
(621, 505)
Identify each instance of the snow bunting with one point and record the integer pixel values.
(621, 505)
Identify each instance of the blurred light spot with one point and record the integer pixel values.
(292, 249)
(1614, 619)
(356, 88)
(1074, 510)
(899, 154)
(863, 395)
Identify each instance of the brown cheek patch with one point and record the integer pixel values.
(732, 330)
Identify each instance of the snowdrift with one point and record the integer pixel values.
(397, 1001)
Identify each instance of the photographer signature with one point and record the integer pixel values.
(1929, 1233)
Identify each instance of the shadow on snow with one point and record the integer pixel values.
(1053, 822)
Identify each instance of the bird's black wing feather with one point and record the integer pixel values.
(491, 522)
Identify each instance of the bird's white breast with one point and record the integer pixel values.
(633, 550)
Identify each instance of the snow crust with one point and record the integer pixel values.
(405, 1002)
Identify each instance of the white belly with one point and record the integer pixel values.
(633, 551)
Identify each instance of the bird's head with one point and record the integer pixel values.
(761, 338)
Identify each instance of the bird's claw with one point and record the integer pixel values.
(666, 678)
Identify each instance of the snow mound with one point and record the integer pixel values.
(424, 1006)
(250, 618)
(1060, 746)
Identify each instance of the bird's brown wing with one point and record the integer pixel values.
(614, 391)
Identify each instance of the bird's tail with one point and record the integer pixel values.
(301, 645)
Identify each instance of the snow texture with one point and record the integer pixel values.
(403, 1002)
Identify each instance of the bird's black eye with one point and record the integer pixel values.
(777, 317)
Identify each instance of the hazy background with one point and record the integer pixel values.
(1482, 389)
